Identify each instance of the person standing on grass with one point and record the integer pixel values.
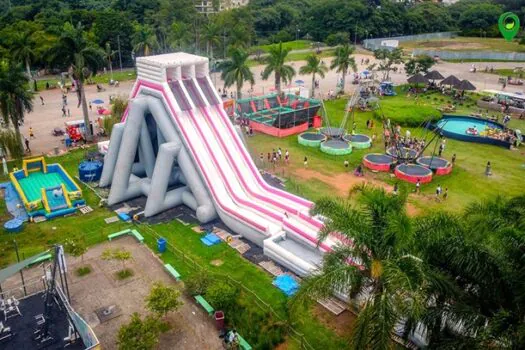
(441, 149)
(453, 159)
(396, 189)
(445, 194)
(488, 169)
(418, 186)
(287, 157)
(305, 162)
(261, 159)
(438, 192)
(346, 164)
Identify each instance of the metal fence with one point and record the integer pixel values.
(377, 43)
(472, 55)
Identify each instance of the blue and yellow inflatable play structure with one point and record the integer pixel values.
(46, 189)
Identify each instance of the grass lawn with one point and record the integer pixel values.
(467, 182)
(465, 44)
(36, 238)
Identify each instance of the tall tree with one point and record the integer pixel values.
(236, 70)
(374, 269)
(108, 56)
(144, 40)
(212, 37)
(276, 64)
(15, 99)
(388, 61)
(22, 49)
(314, 66)
(342, 61)
(82, 57)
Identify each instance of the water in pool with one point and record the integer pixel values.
(460, 126)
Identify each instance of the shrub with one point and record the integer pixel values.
(139, 334)
(221, 295)
(82, 271)
(163, 299)
(197, 284)
(123, 274)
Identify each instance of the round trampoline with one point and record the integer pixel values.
(311, 139)
(404, 152)
(359, 141)
(336, 147)
(378, 161)
(439, 165)
(332, 132)
(413, 172)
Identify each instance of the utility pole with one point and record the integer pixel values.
(355, 35)
(21, 273)
(119, 55)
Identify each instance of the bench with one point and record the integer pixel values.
(172, 271)
(200, 300)
(243, 344)
(41, 259)
(118, 234)
(137, 235)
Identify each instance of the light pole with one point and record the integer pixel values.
(297, 30)
(119, 55)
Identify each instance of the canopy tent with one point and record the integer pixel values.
(451, 80)
(12, 269)
(417, 79)
(465, 85)
(434, 75)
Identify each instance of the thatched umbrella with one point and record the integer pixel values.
(434, 75)
(465, 85)
(417, 79)
(451, 80)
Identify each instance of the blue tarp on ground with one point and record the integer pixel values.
(14, 204)
(287, 284)
(210, 239)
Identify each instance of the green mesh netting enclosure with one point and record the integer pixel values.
(282, 113)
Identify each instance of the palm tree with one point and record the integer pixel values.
(383, 278)
(15, 99)
(236, 71)
(275, 63)
(21, 47)
(144, 40)
(342, 61)
(313, 66)
(82, 57)
(178, 35)
(212, 37)
(108, 56)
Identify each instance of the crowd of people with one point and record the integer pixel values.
(276, 158)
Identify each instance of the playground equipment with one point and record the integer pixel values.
(176, 145)
(279, 115)
(46, 189)
(386, 88)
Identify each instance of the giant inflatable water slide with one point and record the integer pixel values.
(176, 145)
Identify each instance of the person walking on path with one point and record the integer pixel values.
(31, 133)
(26, 141)
(41, 99)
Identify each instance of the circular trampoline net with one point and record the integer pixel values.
(332, 132)
(311, 139)
(336, 147)
(433, 162)
(414, 170)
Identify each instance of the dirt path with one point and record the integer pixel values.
(344, 182)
